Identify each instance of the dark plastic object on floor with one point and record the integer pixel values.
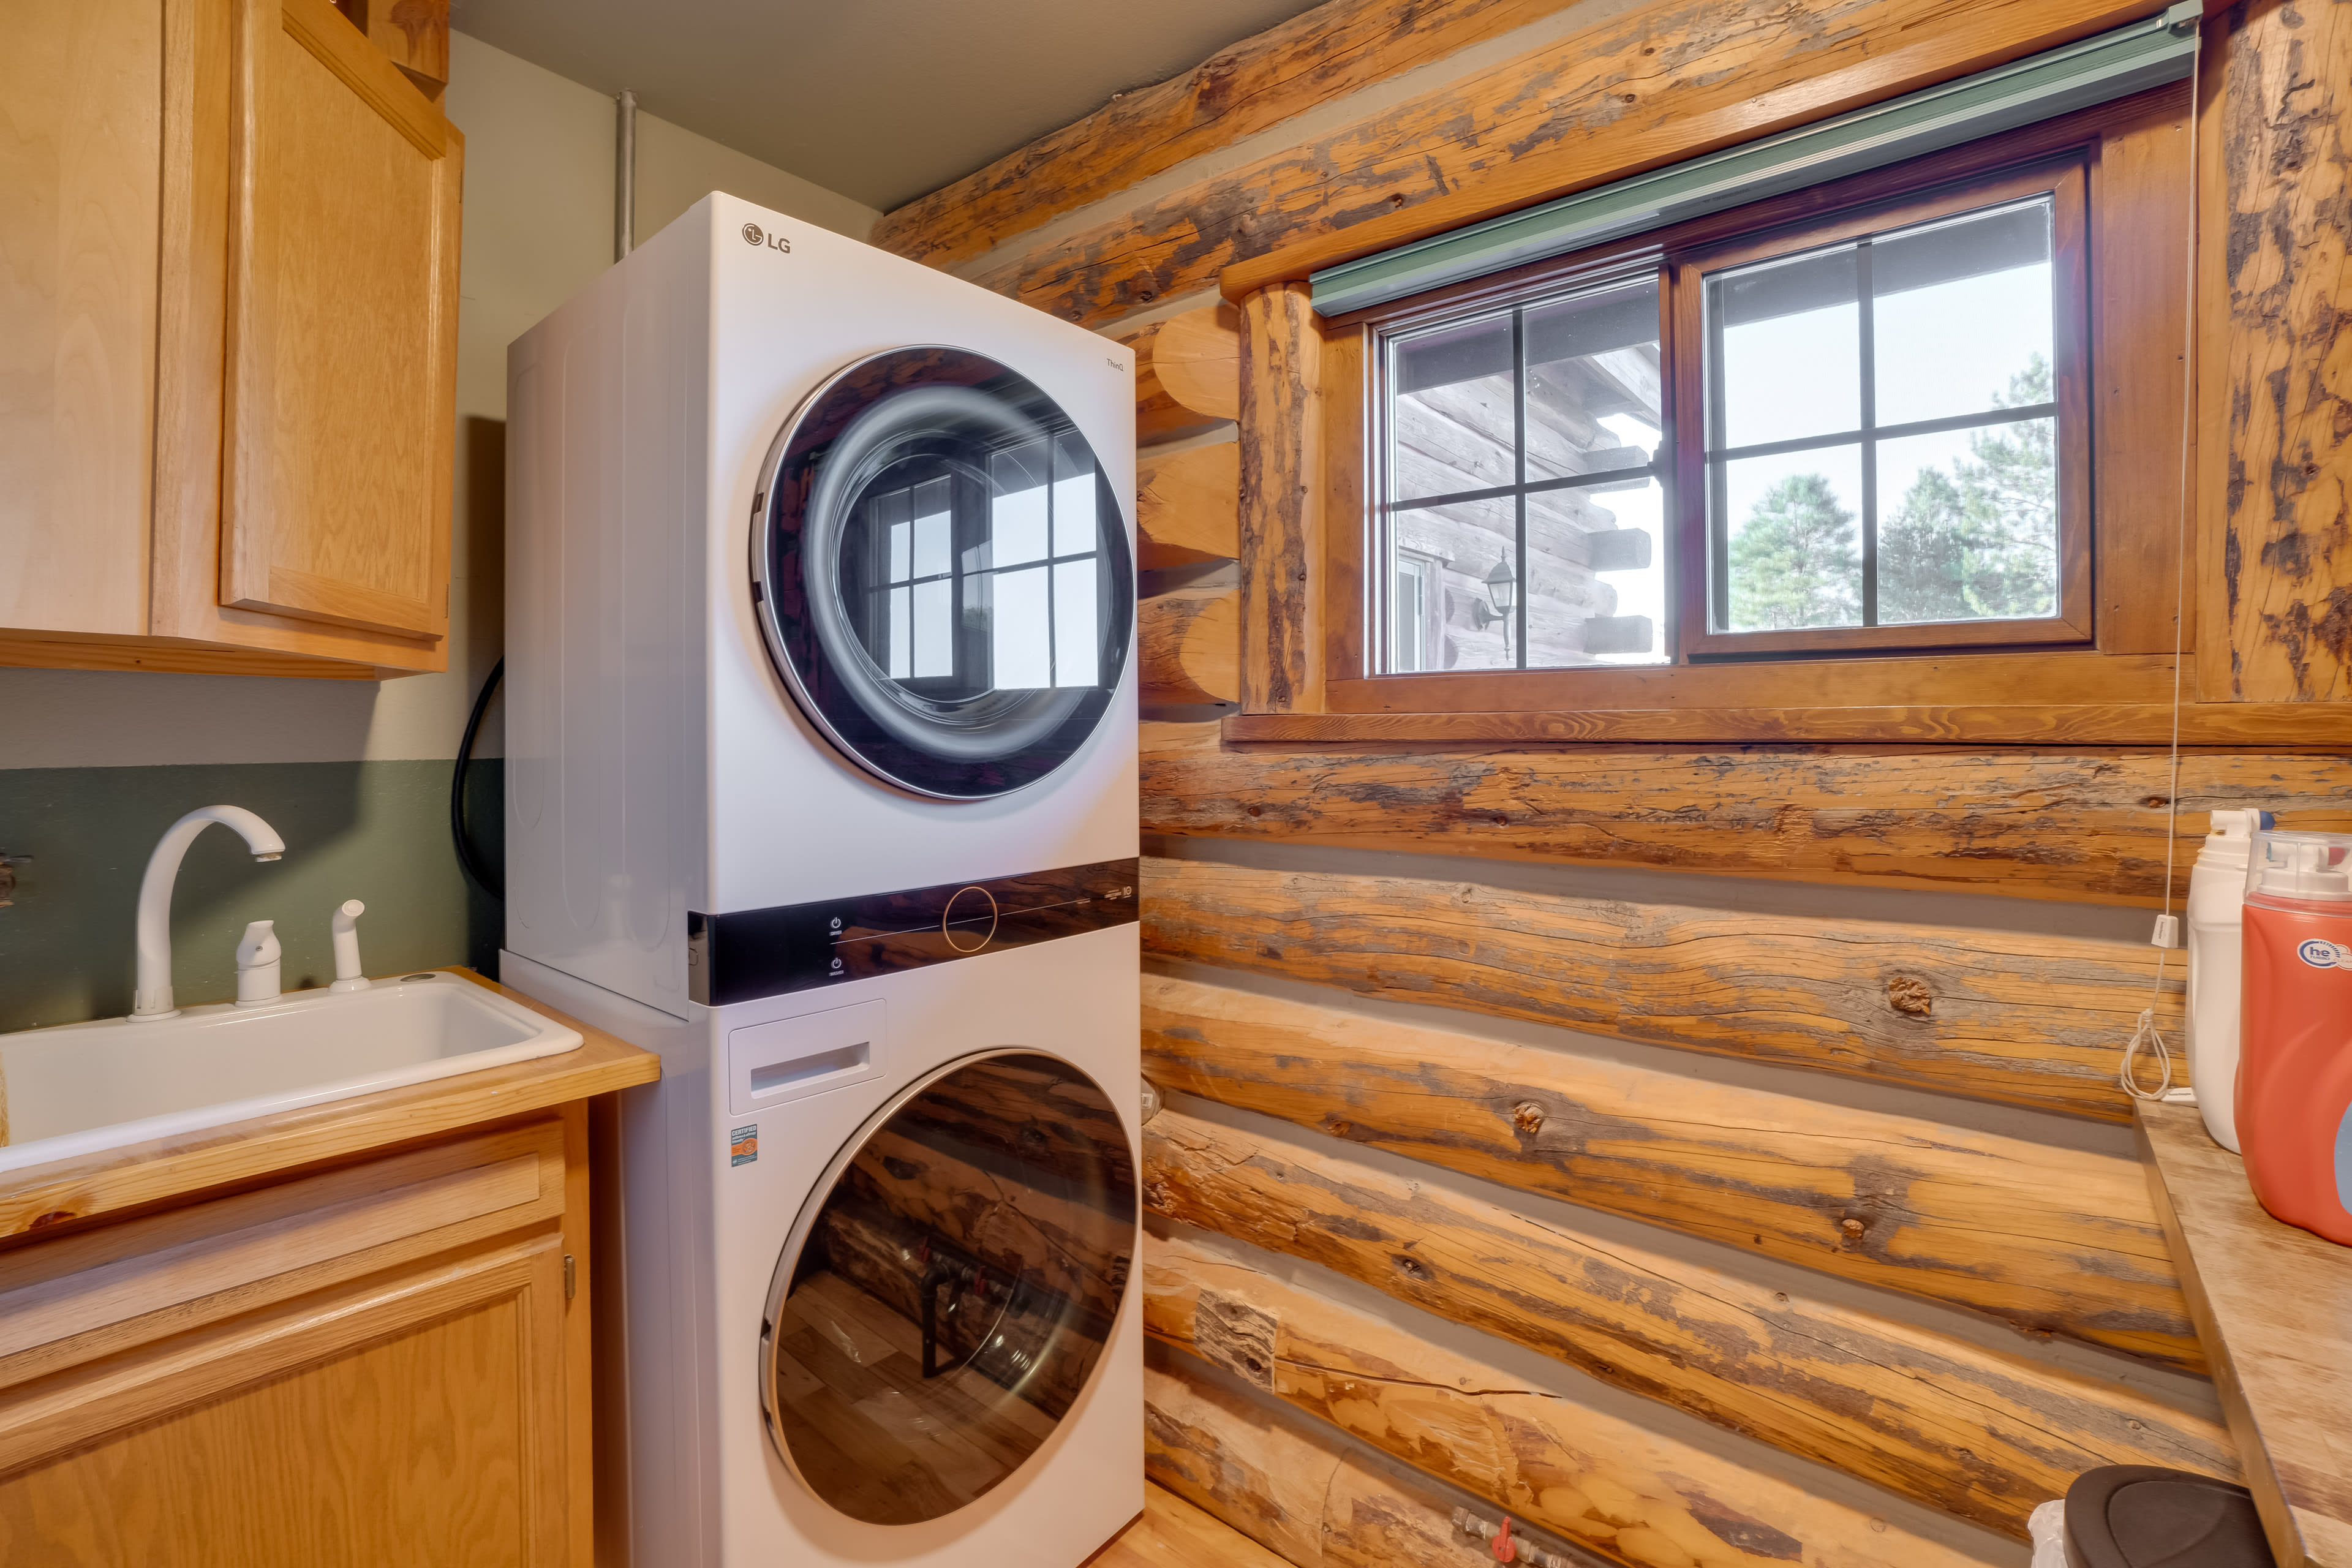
(2140, 1516)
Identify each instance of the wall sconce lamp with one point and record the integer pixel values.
(1501, 587)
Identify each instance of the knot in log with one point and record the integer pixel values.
(1527, 1117)
(1909, 997)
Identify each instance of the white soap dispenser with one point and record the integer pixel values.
(345, 929)
(2217, 919)
(256, 965)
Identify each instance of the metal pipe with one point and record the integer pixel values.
(625, 177)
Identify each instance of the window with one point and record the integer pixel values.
(1416, 617)
(1867, 430)
(1015, 611)
(1523, 448)
(1892, 423)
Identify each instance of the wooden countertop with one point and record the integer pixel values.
(116, 1181)
(2273, 1307)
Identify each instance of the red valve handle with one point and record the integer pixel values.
(1506, 1549)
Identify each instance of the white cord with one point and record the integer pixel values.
(2148, 1033)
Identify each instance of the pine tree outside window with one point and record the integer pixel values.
(1881, 422)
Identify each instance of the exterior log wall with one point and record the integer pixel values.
(1857, 1199)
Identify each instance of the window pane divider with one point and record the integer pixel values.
(1983, 421)
(1533, 487)
(1519, 460)
(1866, 343)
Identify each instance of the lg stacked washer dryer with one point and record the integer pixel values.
(821, 783)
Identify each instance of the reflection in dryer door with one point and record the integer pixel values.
(950, 1288)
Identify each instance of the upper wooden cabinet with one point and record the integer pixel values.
(228, 286)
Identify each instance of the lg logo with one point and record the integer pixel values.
(754, 235)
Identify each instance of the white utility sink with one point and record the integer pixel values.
(81, 1087)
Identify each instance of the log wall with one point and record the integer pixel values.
(1393, 1079)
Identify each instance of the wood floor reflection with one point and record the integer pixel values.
(870, 1433)
(1172, 1534)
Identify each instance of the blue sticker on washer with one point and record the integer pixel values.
(742, 1145)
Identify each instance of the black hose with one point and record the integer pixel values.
(493, 885)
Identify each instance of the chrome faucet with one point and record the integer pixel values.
(152, 999)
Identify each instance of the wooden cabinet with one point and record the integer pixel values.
(228, 286)
(382, 1363)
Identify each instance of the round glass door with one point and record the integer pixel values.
(950, 1286)
(942, 572)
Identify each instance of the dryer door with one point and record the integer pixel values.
(943, 573)
(950, 1286)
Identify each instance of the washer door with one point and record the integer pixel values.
(949, 1287)
(942, 572)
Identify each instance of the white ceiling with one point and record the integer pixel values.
(881, 100)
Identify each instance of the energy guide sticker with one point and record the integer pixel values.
(742, 1145)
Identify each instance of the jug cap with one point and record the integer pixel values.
(2305, 866)
(2230, 835)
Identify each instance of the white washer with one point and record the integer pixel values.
(822, 783)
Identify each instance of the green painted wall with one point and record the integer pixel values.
(375, 831)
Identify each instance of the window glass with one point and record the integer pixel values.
(1968, 524)
(1787, 337)
(1961, 313)
(1883, 442)
(1019, 622)
(1041, 605)
(1522, 522)
(1597, 557)
(1076, 648)
(1793, 557)
(1412, 628)
(1457, 617)
(1016, 507)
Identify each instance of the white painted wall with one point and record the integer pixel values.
(677, 168)
(538, 226)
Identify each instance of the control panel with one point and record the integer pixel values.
(750, 953)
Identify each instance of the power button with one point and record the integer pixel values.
(961, 930)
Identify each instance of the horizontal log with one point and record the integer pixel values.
(1174, 1533)
(1311, 59)
(1975, 1431)
(1189, 646)
(1179, 385)
(1260, 1472)
(1158, 416)
(2027, 1019)
(1529, 1448)
(2078, 826)
(2050, 1240)
(1064, 1242)
(1198, 358)
(1187, 506)
(1359, 713)
(1027, 1342)
(1273, 1474)
(1629, 92)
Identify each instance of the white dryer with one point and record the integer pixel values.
(822, 783)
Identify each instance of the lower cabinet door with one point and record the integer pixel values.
(415, 1417)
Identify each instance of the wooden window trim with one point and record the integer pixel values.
(2067, 179)
(2119, 690)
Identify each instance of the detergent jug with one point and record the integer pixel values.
(2294, 1068)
